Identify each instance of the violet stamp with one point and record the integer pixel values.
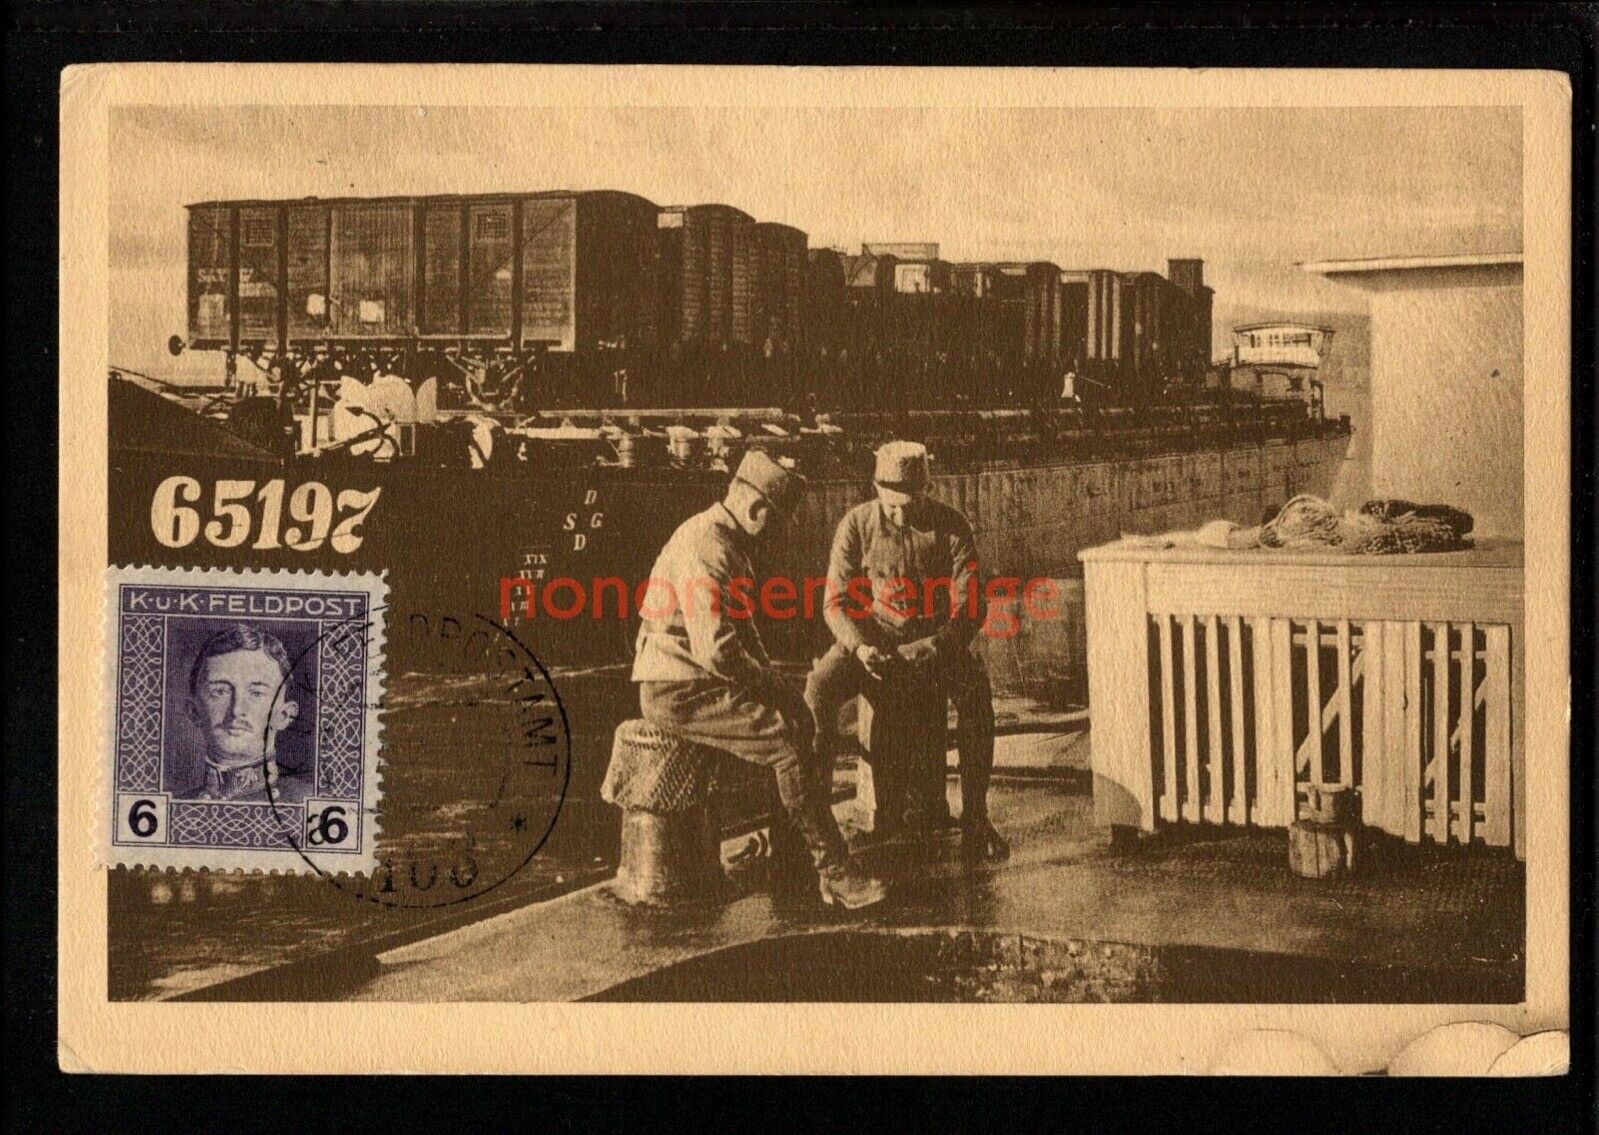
(244, 729)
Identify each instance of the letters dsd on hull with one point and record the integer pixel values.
(576, 563)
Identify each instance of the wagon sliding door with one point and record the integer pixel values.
(549, 272)
(310, 313)
(488, 270)
(442, 246)
(260, 273)
(210, 276)
(371, 270)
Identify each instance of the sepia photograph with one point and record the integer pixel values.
(1009, 550)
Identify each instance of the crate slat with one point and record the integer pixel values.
(1439, 764)
(1468, 698)
(1345, 702)
(1238, 810)
(1265, 810)
(1285, 804)
(1415, 796)
(1214, 763)
(1168, 723)
(1314, 723)
(1496, 737)
(1374, 790)
(1191, 798)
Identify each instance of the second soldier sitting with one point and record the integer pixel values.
(903, 537)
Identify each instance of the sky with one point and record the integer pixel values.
(1252, 191)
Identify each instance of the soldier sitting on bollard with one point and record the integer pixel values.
(704, 674)
(908, 643)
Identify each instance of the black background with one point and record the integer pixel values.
(41, 38)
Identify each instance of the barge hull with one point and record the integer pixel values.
(448, 537)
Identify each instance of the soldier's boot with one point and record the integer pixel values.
(842, 880)
(850, 886)
(980, 840)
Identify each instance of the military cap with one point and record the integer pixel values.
(777, 483)
(902, 469)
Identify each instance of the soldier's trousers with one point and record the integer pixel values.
(838, 676)
(771, 727)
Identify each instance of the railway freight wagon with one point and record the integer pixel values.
(705, 301)
(1002, 333)
(925, 333)
(778, 271)
(1042, 346)
(1127, 334)
(823, 364)
(1163, 332)
(1096, 338)
(600, 299)
(557, 287)
(929, 368)
(972, 288)
(867, 332)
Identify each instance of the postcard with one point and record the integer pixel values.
(719, 569)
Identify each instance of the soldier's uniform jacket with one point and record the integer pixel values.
(699, 638)
(247, 784)
(936, 544)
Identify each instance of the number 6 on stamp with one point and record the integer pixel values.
(330, 825)
(142, 817)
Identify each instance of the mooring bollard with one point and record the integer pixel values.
(667, 858)
(670, 850)
(1324, 844)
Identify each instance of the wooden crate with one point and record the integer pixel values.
(1223, 684)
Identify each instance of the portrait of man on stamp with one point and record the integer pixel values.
(241, 700)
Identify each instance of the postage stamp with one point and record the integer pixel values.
(244, 718)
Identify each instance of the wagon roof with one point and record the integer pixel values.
(508, 195)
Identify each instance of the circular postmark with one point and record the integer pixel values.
(476, 756)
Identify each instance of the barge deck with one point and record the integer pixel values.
(1182, 917)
